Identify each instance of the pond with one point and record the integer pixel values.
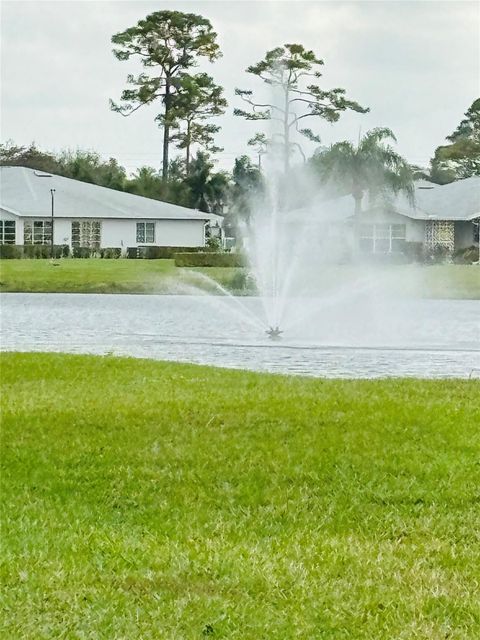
(421, 338)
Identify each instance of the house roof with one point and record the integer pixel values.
(26, 192)
(458, 200)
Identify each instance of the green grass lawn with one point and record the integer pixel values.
(147, 500)
(161, 276)
(101, 276)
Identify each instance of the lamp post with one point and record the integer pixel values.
(52, 193)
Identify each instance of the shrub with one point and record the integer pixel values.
(214, 244)
(159, 253)
(468, 255)
(437, 255)
(110, 253)
(241, 281)
(44, 251)
(413, 251)
(84, 252)
(206, 259)
(10, 251)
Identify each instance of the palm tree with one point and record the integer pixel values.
(372, 166)
(208, 190)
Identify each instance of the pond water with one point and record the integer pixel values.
(422, 338)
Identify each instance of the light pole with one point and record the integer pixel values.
(52, 193)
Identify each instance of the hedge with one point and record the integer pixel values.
(209, 259)
(16, 251)
(159, 253)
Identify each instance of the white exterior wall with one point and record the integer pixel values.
(123, 233)
(62, 231)
(6, 215)
(168, 233)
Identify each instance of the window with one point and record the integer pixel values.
(37, 232)
(86, 233)
(145, 232)
(7, 231)
(382, 238)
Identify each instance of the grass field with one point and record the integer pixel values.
(102, 276)
(161, 276)
(147, 500)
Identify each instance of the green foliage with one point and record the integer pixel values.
(37, 251)
(461, 158)
(11, 251)
(110, 253)
(168, 44)
(86, 166)
(207, 190)
(289, 69)
(248, 188)
(197, 99)
(466, 256)
(85, 252)
(141, 496)
(213, 244)
(158, 253)
(372, 166)
(209, 259)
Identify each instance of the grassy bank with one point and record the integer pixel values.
(146, 500)
(103, 276)
(161, 276)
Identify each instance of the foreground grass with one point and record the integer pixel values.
(161, 276)
(146, 500)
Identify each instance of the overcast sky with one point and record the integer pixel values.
(415, 64)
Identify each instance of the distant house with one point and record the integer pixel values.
(87, 215)
(441, 216)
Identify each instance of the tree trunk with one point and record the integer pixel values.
(187, 159)
(286, 132)
(358, 196)
(166, 131)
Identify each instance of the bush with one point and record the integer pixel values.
(84, 252)
(159, 253)
(213, 244)
(466, 256)
(10, 251)
(110, 253)
(30, 251)
(413, 251)
(438, 255)
(242, 281)
(205, 259)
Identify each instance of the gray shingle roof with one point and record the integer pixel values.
(458, 200)
(26, 192)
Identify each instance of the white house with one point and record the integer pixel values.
(87, 215)
(440, 216)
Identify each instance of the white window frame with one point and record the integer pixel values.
(31, 234)
(380, 232)
(8, 237)
(138, 232)
(89, 233)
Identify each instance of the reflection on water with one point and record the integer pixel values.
(424, 338)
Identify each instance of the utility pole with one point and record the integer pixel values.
(52, 193)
